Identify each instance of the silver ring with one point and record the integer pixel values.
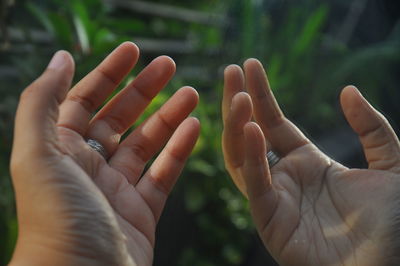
(95, 145)
(272, 158)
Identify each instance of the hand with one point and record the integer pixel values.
(309, 209)
(74, 207)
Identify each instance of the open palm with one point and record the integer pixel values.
(309, 209)
(95, 209)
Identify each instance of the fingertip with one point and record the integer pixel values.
(167, 63)
(242, 100)
(257, 81)
(252, 63)
(242, 95)
(252, 130)
(350, 97)
(68, 56)
(194, 122)
(251, 125)
(155, 76)
(130, 45)
(251, 60)
(233, 82)
(190, 124)
(255, 147)
(233, 78)
(62, 61)
(192, 91)
(233, 68)
(239, 113)
(59, 74)
(130, 49)
(196, 125)
(119, 62)
(189, 95)
(360, 114)
(166, 58)
(350, 89)
(242, 104)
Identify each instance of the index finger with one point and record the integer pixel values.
(89, 93)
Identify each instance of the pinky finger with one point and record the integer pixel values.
(159, 180)
(257, 176)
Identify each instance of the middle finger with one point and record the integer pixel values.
(122, 111)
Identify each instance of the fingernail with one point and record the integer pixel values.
(58, 61)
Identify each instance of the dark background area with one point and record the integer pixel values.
(311, 50)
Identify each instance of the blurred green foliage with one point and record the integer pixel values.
(206, 221)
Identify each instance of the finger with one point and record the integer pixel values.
(380, 143)
(260, 191)
(122, 111)
(233, 84)
(158, 181)
(283, 135)
(93, 90)
(38, 110)
(146, 140)
(233, 136)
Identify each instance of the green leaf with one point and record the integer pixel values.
(194, 198)
(248, 28)
(202, 167)
(42, 17)
(126, 25)
(12, 237)
(82, 24)
(311, 31)
(102, 41)
(62, 30)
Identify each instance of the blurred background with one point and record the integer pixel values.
(310, 48)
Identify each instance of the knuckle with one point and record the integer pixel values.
(141, 151)
(87, 103)
(116, 123)
(167, 125)
(179, 157)
(161, 184)
(28, 92)
(107, 76)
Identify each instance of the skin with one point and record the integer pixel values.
(74, 206)
(308, 208)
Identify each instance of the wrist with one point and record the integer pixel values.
(32, 253)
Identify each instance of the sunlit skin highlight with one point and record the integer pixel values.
(310, 209)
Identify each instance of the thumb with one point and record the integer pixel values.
(37, 113)
(380, 143)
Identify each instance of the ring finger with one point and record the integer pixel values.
(148, 138)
